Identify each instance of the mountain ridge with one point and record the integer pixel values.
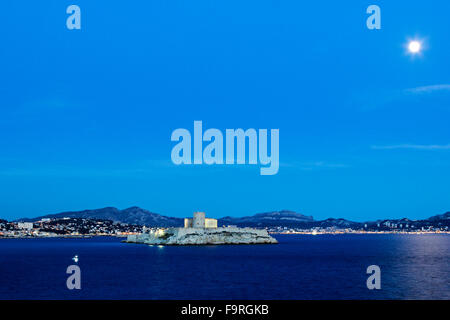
(131, 215)
(282, 218)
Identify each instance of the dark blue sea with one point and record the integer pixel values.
(299, 267)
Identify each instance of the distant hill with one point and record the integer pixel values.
(133, 215)
(269, 219)
(440, 217)
(283, 218)
(341, 223)
(136, 215)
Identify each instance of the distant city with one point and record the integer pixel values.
(66, 227)
(114, 222)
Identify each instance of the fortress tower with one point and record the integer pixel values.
(199, 221)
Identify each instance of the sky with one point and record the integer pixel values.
(86, 115)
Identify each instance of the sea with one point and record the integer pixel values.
(412, 266)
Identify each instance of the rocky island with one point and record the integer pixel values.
(202, 231)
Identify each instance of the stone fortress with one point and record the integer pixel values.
(200, 230)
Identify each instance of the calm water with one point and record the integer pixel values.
(300, 267)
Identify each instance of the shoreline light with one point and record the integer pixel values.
(414, 46)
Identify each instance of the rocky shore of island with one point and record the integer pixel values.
(203, 236)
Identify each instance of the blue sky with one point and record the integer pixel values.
(86, 115)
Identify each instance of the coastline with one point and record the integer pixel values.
(274, 233)
(363, 232)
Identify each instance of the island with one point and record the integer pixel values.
(202, 231)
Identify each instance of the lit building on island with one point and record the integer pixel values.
(201, 231)
(199, 221)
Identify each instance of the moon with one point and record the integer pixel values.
(414, 46)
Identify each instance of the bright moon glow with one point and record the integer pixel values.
(414, 46)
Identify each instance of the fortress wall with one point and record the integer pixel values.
(187, 223)
(210, 223)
